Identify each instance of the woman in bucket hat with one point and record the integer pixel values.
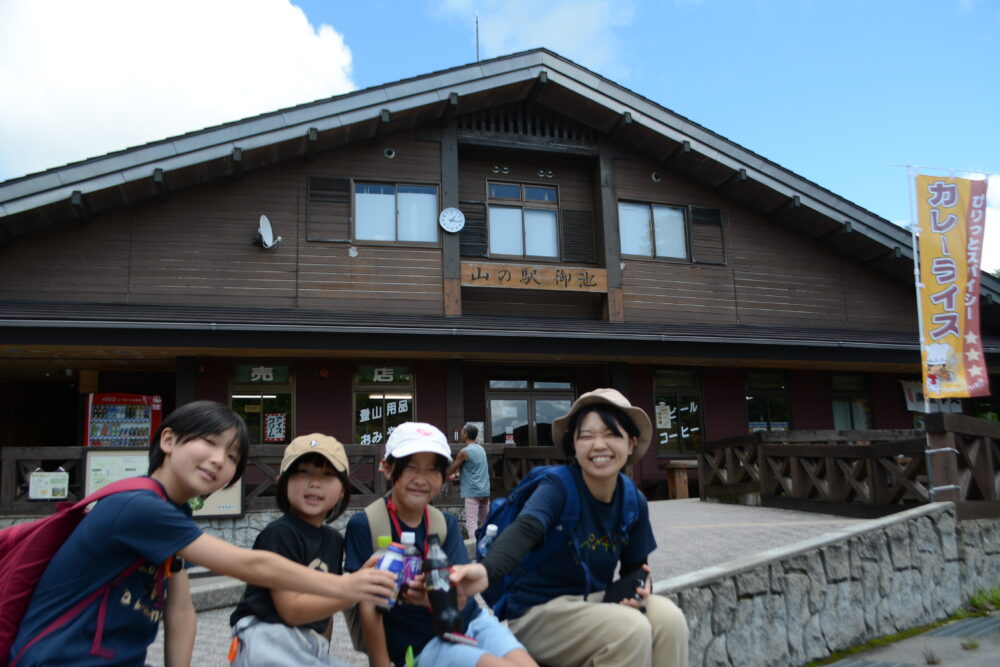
(554, 609)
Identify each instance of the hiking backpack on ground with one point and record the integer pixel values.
(25, 552)
(504, 511)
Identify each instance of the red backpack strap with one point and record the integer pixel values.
(128, 484)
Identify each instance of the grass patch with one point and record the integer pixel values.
(969, 644)
(980, 604)
(930, 657)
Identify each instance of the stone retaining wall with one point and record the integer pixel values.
(799, 603)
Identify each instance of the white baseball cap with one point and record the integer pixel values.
(414, 437)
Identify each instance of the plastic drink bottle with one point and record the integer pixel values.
(413, 560)
(442, 595)
(392, 561)
(484, 544)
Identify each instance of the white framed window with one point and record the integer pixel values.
(395, 212)
(523, 220)
(652, 230)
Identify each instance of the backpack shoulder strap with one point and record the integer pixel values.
(571, 510)
(437, 523)
(630, 503)
(378, 521)
(128, 484)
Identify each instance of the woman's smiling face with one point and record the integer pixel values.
(601, 452)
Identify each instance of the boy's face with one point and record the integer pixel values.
(199, 466)
(313, 490)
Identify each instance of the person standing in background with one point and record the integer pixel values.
(475, 476)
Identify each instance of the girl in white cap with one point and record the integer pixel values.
(416, 461)
(280, 627)
(553, 608)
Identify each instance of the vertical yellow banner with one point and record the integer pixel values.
(951, 214)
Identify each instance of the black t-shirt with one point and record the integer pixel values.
(321, 548)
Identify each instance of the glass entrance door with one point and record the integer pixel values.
(521, 411)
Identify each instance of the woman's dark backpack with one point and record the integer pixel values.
(25, 552)
(504, 511)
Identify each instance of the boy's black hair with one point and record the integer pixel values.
(613, 418)
(397, 466)
(320, 461)
(196, 420)
(470, 431)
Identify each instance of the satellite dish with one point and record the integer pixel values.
(265, 236)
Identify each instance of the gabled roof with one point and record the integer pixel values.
(82, 188)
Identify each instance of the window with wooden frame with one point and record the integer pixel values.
(768, 403)
(663, 231)
(677, 411)
(395, 212)
(851, 403)
(523, 220)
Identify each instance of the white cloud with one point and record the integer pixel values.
(585, 31)
(81, 79)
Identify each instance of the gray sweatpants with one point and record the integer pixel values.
(279, 645)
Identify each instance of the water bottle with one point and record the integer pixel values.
(484, 544)
(413, 560)
(442, 595)
(391, 561)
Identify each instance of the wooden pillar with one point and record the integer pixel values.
(608, 216)
(450, 249)
(454, 398)
(185, 380)
(942, 459)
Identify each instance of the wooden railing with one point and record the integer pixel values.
(507, 466)
(861, 473)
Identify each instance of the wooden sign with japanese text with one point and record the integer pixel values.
(534, 276)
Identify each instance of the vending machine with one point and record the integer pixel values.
(122, 420)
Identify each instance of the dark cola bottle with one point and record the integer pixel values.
(442, 595)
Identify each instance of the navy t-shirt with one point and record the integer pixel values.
(318, 547)
(595, 533)
(119, 530)
(406, 624)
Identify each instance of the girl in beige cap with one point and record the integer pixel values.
(280, 627)
(553, 609)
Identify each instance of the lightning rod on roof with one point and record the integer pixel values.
(477, 37)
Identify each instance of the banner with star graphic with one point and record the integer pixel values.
(951, 213)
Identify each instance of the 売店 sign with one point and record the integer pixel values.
(249, 374)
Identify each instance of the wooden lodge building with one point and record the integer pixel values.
(607, 241)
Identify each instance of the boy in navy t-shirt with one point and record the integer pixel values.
(198, 449)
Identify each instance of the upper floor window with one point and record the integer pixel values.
(395, 212)
(652, 230)
(523, 220)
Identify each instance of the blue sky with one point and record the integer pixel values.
(841, 92)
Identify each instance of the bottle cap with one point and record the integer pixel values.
(491, 530)
(396, 546)
(408, 538)
(384, 541)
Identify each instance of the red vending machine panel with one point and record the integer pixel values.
(122, 420)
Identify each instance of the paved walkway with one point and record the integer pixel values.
(691, 535)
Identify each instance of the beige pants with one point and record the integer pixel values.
(567, 632)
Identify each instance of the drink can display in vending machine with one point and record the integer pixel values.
(122, 420)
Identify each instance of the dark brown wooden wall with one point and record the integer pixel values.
(775, 276)
(195, 249)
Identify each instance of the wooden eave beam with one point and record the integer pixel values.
(383, 124)
(894, 252)
(736, 180)
(236, 164)
(449, 107)
(682, 150)
(624, 120)
(312, 139)
(845, 228)
(80, 207)
(790, 205)
(160, 183)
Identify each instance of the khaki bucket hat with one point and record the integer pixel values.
(615, 398)
(315, 443)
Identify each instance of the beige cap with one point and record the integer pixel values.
(315, 443)
(615, 398)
